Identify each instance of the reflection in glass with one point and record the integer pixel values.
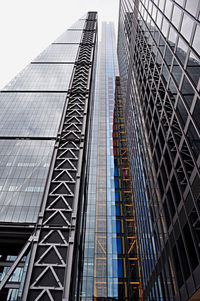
(165, 27)
(181, 50)
(172, 36)
(70, 36)
(42, 77)
(192, 6)
(59, 53)
(24, 165)
(177, 73)
(187, 26)
(196, 42)
(176, 16)
(168, 9)
(30, 114)
(78, 24)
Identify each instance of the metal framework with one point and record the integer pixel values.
(54, 243)
(132, 279)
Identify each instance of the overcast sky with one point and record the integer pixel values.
(29, 26)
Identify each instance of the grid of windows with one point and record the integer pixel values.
(23, 171)
(30, 114)
(103, 262)
(32, 105)
(70, 36)
(59, 53)
(42, 77)
(162, 104)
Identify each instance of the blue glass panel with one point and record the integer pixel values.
(119, 246)
(118, 226)
(120, 268)
(116, 183)
(117, 196)
(117, 208)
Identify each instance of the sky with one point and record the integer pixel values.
(28, 26)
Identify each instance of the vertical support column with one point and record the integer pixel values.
(50, 269)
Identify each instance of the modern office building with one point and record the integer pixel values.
(110, 269)
(44, 149)
(159, 63)
(67, 219)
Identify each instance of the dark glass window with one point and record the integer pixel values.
(196, 113)
(194, 72)
(195, 225)
(176, 191)
(194, 140)
(168, 161)
(171, 203)
(166, 212)
(182, 252)
(177, 267)
(181, 50)
(177, 73)
(182, 113)
(187, 91)
(190, 246)
(160, 186)
(168, 56)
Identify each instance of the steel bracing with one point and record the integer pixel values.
(54, 244)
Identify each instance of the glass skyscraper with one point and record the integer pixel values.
(44, 150)
(159, 63)
(67, 219)
(110, 260)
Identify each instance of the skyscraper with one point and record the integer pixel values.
(159, 62)
(44, 146)
(66, 210)
(110, 260)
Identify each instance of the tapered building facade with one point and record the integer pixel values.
(67, 218)
(159, 62)
(44, 150)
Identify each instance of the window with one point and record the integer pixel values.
(190, 246)
(176, 16)
(196, 41)
(187, 26)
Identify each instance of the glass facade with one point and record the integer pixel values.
(43, 147)
(100, 263)
(30, 114)
(45, 117)
(23, 167)
(32, 105)
(105, 261)
(158, 50)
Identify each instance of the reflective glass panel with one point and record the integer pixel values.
(30, 114)
(78, 25)
(59, 53)
(70, 36)
(42, 77)
(176, 16)
(196, 42)
(187, 26)
(23, 172)
(192, 6)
